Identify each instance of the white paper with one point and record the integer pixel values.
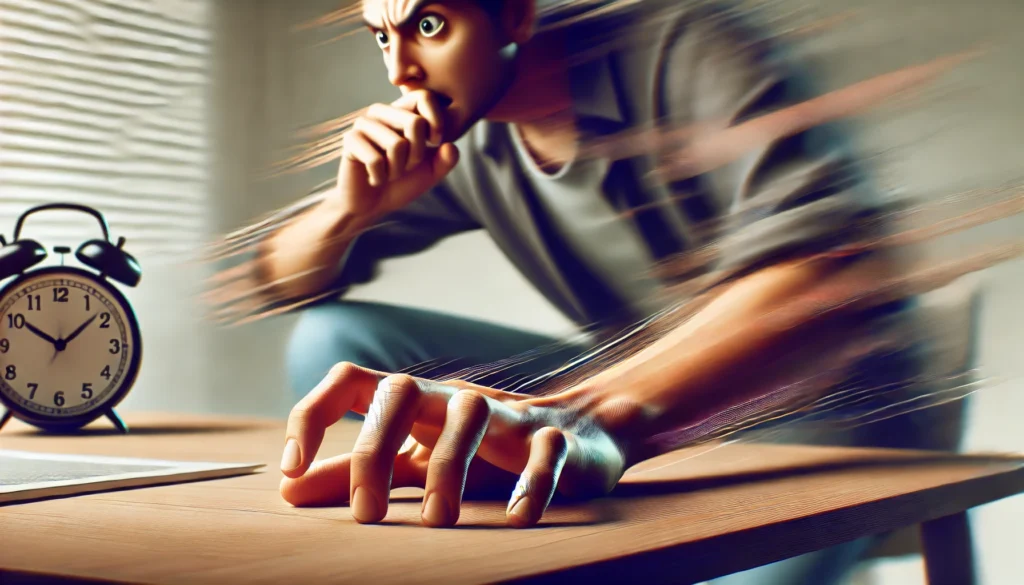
(26, 475)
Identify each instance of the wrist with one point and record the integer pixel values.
(610, 407)
(337, 219)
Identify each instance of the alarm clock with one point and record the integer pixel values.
(70, 346)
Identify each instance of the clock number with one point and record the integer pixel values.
(38, 302)
(11, 372)
(106, 372)
(32, 390)
(86, 303)
(105, 322)
(58, 398)
(86, 391)
(60, 295)
(5, 346)
(16, 321)
(115, 346)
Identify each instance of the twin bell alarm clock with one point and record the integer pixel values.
(70, 346)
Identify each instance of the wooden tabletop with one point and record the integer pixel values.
(686, 516)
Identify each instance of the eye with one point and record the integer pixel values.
(382, 38)
(431, 24)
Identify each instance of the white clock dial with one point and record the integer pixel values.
(66, 344)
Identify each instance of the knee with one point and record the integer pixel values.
(327, 334)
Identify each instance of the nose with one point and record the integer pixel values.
(403, 69)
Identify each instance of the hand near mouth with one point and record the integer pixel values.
(393, 154)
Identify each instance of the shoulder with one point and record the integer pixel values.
(666, 53)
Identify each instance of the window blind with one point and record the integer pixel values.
(102, 102)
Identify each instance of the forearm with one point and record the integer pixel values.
(750, 338)
(304, 257)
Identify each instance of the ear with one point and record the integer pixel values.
(518, 18)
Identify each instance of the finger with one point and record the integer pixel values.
(549, 450)
(389, 420)
(359, 148)
(464, 428)
(413, 126)
(327, 482)
(334, 396)
(393, 144)
(425, 104)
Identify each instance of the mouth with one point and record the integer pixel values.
(443, 101)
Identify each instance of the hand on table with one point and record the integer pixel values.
(468, 439)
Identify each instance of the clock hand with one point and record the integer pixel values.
(80, 329)
(40, 333)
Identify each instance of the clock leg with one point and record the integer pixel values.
(6, 417)
(116, 419)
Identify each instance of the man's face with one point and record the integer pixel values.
(452, 48)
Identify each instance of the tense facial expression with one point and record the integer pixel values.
(452, 48)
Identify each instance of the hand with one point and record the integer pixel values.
(467, 439)
(393, 154)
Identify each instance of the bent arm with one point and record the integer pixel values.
(779, 331)
(322, 251)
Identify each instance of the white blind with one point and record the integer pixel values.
(102, 102)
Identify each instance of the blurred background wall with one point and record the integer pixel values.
(165, 114)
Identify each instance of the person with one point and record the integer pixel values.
(501, 112)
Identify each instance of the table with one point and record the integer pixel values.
(684, 517)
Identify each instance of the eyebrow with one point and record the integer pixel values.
(411, 13)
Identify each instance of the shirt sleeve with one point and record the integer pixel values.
(416, 227)
(772, 195)
(241, 293)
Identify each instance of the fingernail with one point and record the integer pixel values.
(517, 494)
(292, 457)
(364, 505)
(435, 510)
(521, 511)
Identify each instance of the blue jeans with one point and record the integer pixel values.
(391, 338)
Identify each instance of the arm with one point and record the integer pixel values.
(782, 208)
(771, 313)
(390, 199)
(330, 249)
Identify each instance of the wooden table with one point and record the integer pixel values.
(681, 518)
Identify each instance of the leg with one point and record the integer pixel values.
(948, 554)
(391, 338)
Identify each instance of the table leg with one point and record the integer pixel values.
(948, 550)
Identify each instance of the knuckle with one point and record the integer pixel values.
(400, 385)
(551, 438)
(375, 110)
(342, 370)
(360, 124)
(365, 455)
(444, 461)
(469, 402)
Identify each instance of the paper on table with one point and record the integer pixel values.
(26, 475)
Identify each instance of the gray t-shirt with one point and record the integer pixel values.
(576, 199)
(589, 236)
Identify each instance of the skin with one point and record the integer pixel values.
(454, 65)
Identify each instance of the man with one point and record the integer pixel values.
(494, 130)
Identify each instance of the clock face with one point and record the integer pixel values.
(68, 344)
